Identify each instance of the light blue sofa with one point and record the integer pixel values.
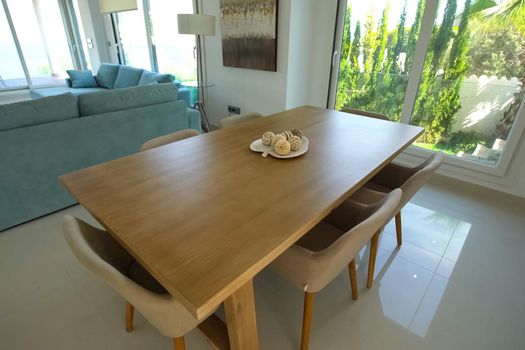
(44, 138)
(116, 76)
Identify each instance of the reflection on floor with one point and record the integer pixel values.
(432, 241)
(456, 283)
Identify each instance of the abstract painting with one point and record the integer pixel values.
(249, 34)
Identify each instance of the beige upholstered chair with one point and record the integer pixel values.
(236, 119)
(173, 137)
(102, 255)
(394, 175)
(365, 113)
(319, 256)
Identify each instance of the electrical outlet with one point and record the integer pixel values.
(234, 109)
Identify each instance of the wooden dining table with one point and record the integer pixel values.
(204, 215)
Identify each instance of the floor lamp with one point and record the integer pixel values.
(111, 6)
(198, 25)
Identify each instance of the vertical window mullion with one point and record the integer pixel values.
(414, 77)
(73, 34)
(17, 44)
(151, 49)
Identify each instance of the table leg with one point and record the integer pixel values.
(240, 318)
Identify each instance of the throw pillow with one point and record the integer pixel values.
(150, 77)
(127, 77)
(82, 78)
(107, 74)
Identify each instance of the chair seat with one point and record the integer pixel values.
(143, 278)
(377, 187)
(369, 196)
(320, 237)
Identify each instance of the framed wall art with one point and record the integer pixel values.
(249, 34)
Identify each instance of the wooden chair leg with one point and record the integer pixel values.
(178, 343)
(307, 319)
(372, 261)
(129, 317)
(399, 233)
(353, 279)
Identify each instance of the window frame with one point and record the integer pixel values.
(411, 94)
(72, 36)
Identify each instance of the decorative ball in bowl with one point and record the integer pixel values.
(288, 144)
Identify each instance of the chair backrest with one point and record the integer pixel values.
(325, 265)
(421, 176)
(236, 119)
(365, 113)
(173, 137)
(105, 257)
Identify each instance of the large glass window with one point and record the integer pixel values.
(11, 71)
(469, 92)
(152, 41)
(132, 37)
(377, 52)
(40, 30)
(81, 34)
(470, 82)
(37, 43)
(173, 51)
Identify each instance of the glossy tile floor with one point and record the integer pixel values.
(458, 282)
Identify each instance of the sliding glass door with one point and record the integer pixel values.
(148, 38)
(132, 37)
(12, 74)
(378, 48)
(463, 81)
(469, 91)
(39, 27)
(173, 51)
(37, 43)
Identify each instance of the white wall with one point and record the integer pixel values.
(302, 17)
(304, 46)
(321, 56)
(251, 90)
(309, 57)
(483, 102)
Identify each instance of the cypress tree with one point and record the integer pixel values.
(369, 44)
(344, 82)
(444, 34)
(448, 103)
(353, 61)
(400, 41)
(382, 38)
(413, 35)
(347, 39)
(430, 84)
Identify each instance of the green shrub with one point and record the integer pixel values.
(462, 141)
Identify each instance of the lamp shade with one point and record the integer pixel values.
(109, 6)
(196, 24)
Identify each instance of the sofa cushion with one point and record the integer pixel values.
(122, 99)
(81, 78)
(39, 111)
(127, 77)
(107, 74)
(45, 92)
(151, 77)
